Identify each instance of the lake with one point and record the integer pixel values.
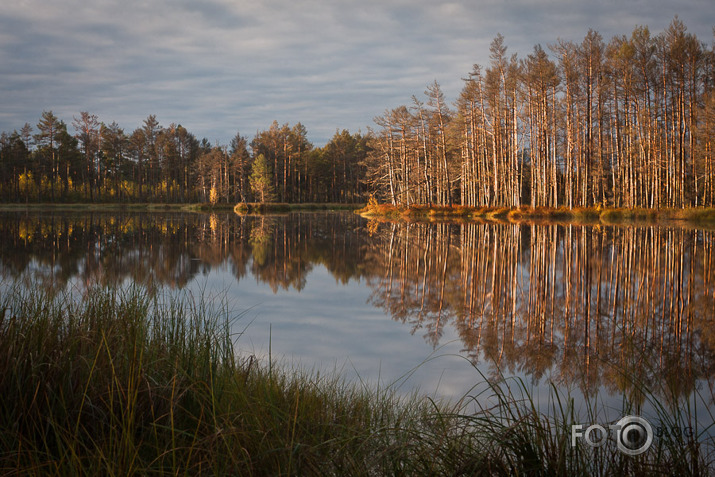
(430, 307)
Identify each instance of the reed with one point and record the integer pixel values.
(119, 382)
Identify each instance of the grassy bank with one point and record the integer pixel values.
(241, 208)
(112, 207)
(278, 207)
(696, 216)
(120, 383)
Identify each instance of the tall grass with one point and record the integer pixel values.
(517, 437)
(121, 383)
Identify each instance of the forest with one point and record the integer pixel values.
(624, 123)
(103, 163)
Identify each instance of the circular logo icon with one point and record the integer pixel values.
(634, 435)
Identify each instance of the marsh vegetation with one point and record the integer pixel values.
(123, 382)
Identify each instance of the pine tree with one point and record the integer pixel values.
(260, 179)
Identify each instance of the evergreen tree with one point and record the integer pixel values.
(260, 179)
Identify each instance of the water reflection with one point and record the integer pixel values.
(171, 249)
(588, 304)
(582, 305)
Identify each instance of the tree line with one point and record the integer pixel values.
(627, 123)
(94, 161)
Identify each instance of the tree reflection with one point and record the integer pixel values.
(585, 305)
(598, 307)
(172, 249)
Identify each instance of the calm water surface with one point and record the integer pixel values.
(428, 307)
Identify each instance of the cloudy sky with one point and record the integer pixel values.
(222, 66)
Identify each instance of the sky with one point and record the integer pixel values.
(222, 67)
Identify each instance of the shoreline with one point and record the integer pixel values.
(691, 216)
(701, 216)
(165, 207)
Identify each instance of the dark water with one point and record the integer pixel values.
(433, 307)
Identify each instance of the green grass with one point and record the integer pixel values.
(122, 383)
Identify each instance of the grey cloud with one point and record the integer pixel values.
(221, 65)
